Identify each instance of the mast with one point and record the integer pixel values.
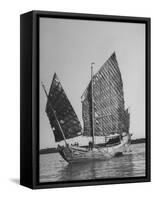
(43, 86)
(92, 107)
(59, 125)
(55, 115)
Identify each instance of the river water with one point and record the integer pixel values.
(54, 168)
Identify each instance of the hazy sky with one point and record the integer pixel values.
(67, 47)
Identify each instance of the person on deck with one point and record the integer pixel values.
(90, 145)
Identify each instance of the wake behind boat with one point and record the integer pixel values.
(103, 112)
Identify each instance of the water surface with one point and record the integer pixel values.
(54, 168)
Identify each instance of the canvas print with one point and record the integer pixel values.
(92, 100)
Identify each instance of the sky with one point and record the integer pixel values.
(68, 47)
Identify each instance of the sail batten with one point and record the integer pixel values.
(108, 101)
(59, 105)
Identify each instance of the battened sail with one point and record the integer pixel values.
(59, 105)
(108, 102)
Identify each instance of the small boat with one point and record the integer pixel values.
(103, 112)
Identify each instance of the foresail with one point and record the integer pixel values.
(59, 105)
(108, 101)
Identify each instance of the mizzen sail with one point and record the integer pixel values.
(108, 101)
(58, 105)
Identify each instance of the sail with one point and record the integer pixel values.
(126, 121)
(108, 102)
(58, 107)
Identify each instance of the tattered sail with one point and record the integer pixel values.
(58, 105)
(108, 102)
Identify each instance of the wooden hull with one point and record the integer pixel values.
(76, 154)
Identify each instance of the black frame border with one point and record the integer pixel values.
(35, 15)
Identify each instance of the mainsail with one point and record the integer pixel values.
(110, 115)
(59, 108)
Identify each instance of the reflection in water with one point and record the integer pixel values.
(99, 169)
(54, 168)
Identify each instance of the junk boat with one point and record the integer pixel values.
(103, 113)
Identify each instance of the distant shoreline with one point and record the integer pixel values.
(54, 150)
(138, 141)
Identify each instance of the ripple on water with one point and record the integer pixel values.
(54, 168)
